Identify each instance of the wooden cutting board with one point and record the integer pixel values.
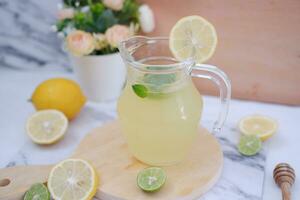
(106, 149)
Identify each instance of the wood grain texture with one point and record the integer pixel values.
(259, 44)
(106, 149)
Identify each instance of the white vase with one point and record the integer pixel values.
(101, 77)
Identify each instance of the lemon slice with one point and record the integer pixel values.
(193, 36)
(73, 179)
(46, 126)
(261, 126)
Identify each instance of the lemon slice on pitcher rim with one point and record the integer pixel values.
(193, 36)
(73, 179)
(46, 126)
(261, 126)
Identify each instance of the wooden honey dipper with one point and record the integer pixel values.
(284, 176)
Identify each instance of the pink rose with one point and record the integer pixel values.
(114, 4)
(66, 13)
(80, 43)
(117, 33)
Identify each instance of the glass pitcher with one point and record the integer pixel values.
(160, 108)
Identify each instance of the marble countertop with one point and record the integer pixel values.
(16, 148)
(31, 53)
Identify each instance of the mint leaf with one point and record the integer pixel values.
(140, 90)
(156, 82)
(159, 79)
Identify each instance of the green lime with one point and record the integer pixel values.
(151, 179)
(249, 145)
(37, 191)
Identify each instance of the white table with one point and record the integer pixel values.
(16, 88)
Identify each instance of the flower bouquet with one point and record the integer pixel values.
(91, 30)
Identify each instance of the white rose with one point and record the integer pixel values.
(114, 4)
(146, 18)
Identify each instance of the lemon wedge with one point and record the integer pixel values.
(73, 179)
(262, 126)
(46, 126)
(195, 37)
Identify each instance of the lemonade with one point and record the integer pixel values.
(161, 127)
(160, 108)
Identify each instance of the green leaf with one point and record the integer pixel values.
(157, 82)
(140, 90)
(61, 25)
(85, 22)
(72, 3)
(159, 79)
(97, 9)
(106, 20)
(129, 12)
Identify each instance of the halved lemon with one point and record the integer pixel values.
(261, 126)
(73, 179)
(193, 36)
(46, 126)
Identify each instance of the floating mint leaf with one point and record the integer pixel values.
(158, 81)
(140, 90)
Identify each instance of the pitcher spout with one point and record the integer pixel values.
(129, 46)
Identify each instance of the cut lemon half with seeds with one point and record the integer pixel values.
(249, 145)
(151, 179)
(37, 191)
(46, 126)
(193, 36)
(73, 179)
(261, 126)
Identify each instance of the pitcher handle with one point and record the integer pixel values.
(222, 81)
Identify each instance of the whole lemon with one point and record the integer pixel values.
(60, 94)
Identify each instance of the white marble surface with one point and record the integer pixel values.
(242, 177)
(31, 53)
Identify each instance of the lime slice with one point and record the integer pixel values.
(249, 145)
(151, 179)
(37, 191)
(46, 126)
(262, 126)
(193, 36)
(73, 179)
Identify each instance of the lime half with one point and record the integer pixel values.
(249, 145)
(37, 191)
(151, 179)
